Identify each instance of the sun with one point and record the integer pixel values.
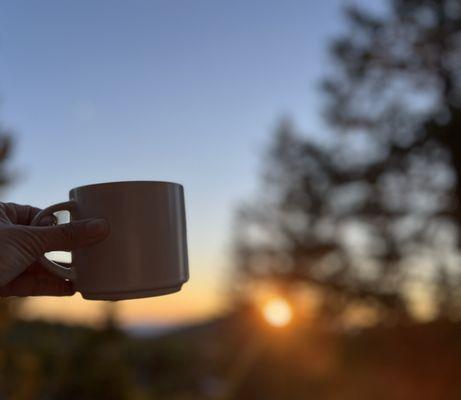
(278, 312)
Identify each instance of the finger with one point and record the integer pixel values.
(29, 284)
(68, 236)
(23, 214)
(20, 214)
(3, 215)
(48, 220)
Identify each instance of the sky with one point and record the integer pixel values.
(179, 90)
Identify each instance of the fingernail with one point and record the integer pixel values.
(97, 227)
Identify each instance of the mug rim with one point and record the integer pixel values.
(116, 183)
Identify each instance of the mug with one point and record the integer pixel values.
(145, 253)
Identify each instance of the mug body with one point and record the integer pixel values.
(145, 253)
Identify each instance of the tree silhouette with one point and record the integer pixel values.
(374, 213)
(5, 151)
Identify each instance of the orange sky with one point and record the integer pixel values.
(199, 298)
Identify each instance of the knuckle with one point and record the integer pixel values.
(28, 240)
(8, 230)
(3, 209)
(19, 247)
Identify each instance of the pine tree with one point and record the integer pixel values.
(373, 214)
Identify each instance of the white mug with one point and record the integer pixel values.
(145, 253)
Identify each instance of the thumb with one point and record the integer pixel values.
(72, 235)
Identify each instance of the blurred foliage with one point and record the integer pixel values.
(235, 357)
(372, 212)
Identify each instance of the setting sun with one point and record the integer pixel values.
(277, 312)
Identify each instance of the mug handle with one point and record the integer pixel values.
(53, 267)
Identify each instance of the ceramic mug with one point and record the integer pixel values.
(145, 253)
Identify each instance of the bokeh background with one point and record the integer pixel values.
(318, 143)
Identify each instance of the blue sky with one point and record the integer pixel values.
(187, 91)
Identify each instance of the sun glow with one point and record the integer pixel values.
(277, 312)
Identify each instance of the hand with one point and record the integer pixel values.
(21, 245)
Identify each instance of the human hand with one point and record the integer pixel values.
(21, 245)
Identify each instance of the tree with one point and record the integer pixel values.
(5, 151)
(375, 213)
